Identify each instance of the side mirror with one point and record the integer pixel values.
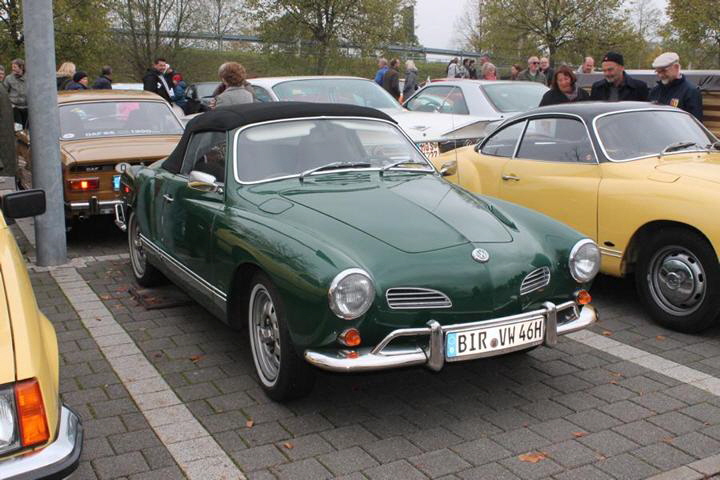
(477, 147)
(203, 182)
(26, 203)
(449, 168)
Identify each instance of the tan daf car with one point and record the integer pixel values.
(99, 129)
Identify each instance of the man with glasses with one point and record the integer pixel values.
(533, 73)
(617, 86)
(673, 88)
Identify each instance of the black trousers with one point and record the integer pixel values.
(21, 116)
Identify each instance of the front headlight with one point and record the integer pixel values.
(9, 438)
(584, 260)
(351, 293)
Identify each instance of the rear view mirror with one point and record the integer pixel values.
(26, 203)
(449, 168)
(202, 181)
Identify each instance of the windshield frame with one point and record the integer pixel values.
(489, 98)
(396, 106)
(239, 131)
(658, 154)
(124, 100)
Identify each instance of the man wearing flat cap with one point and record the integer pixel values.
(673, 88)
(617, 86)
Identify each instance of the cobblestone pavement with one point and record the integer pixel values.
(588, 414)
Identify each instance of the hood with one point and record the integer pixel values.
(425, 126)
(701, 166)
(438, 214)
(7, 353)
(119, 149)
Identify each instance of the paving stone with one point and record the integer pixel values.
(556, 430)
(344, 437)
(508, 419)
(611, 392)
(567, 383)
(439, 462)
(167, 473)
(347, 461)
(658, 402)
(309, 469)
(399, 470)
(706, 413)
(258, 457)
(390, 426)
(663, 456)
(493, 471)
(520, 440)
(434, 439)
(696, 444)
(626, 411)
(120, 465)
(593, 420)
(305, 424)
(472, 428)
(643, 432)
(304, 447)
(626, 467)
(587, 472)
(676, 422)
(546, 410)
(481, 451)
(608, 443)
(531, 471)
(391, 449)
(134, 441)
(579, 401)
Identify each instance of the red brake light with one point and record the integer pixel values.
(31, 413)
(84, 184)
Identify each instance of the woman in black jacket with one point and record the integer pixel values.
(564, 89)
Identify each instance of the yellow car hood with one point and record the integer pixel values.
(7, 353)
(703, 166)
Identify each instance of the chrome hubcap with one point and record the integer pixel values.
(137, 254)
(265, 334)
(677, 280)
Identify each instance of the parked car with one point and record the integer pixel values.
(432, 132)
(198, 96)
(39, 437)
(639, 179)
(332, 238)
(498, 99)
(99, 129)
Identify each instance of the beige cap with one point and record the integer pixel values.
(665, 60)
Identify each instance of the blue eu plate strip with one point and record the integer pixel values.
(451, 345)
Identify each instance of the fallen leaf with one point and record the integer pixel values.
(607, 333)
(196, 358)
(157, 355)
(667, 439)
(249, 423)
(288, 445)
(533, 457)
(614, 382)
(616, 374)
(579, 434)
(105, 296)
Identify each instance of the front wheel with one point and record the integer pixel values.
(678, 280)
(283, 375)
(145, 274)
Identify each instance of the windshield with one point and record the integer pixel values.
(206, 89)
(629, 135)
(292, 147)
(514, 97)
(115, 119)
(365, 93)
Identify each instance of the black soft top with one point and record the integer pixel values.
(233, 116)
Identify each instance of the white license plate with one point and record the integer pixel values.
(481, 340)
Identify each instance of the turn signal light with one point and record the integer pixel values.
(84, 184)
(31, 413)
(350, 337)
(583, 297)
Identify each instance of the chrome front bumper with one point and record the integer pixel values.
(57, 460)
(384, 356)
(94, 206)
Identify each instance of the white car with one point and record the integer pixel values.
(497, 99)
(433, 132)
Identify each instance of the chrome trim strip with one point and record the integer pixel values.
(385, 356)
(322, 117)
(535, 280)
(540, 116)
(102, 203)
(183, 269)
(649, 109)
(57, 458)
(416, 298)
(608, 252)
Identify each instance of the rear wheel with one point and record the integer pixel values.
(145, 274)
(283, 375)
(678, 279)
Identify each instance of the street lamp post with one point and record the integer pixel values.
(44, 129)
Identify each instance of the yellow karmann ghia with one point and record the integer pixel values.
(39, 437)
(642, 180)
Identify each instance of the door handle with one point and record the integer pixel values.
(168, 198)
(511, 177)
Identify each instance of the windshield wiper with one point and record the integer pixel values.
(334, 166)
(673, 147)
(404, 162)
(714, 145)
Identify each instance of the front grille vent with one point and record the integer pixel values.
(405, 298)
(535, 280)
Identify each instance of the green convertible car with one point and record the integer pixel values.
(325, 231)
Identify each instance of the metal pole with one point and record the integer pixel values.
(44, 129)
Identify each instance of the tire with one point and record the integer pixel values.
(145, 274)
(282, 374)
(678, 280)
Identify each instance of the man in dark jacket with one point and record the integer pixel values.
(155, 81)
(104, 81)
(617, 85)
(391, 79)
(80, 81)
(673, 88)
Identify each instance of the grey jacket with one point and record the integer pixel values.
(235, 96)
(410, 83)
(7, 136)
(15, 87)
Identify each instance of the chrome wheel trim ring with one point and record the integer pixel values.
(137, 255)
(264, 335)
(677, 280)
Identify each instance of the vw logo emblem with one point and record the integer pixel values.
(480, 255)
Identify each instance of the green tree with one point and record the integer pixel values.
(326, 23)
(697, 22)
